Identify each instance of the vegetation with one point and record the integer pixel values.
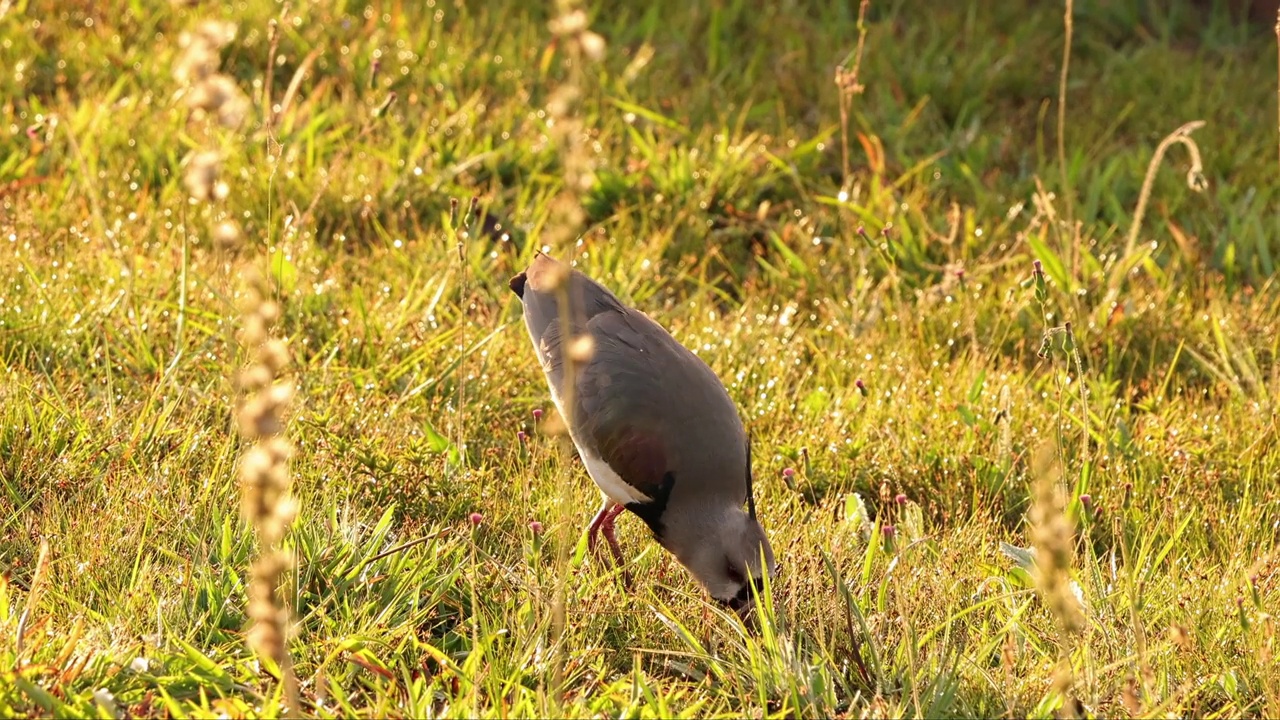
(1015, 444)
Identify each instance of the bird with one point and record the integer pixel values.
(655, 428)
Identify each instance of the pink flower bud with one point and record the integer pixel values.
(535, 527)
(788, 473)
(537, 414)
(476, 518)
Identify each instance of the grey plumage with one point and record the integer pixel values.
(654, 426)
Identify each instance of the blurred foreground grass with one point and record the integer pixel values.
(883, 331)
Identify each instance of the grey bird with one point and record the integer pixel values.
(654, 426)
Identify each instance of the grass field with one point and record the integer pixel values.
(956, 322)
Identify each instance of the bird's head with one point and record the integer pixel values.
(733, 560)
(733, 555)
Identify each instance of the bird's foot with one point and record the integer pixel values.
(603, 523)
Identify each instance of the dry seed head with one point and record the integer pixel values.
(557, 275)
(592, 45)
(265, 485)
(211, 92)
(274, 355)
(561, 101)
(255, 465)
(196, 62)
(226, 235)
(199, 58)
(555, 426)
(219, 95)
(278, 395)
(279, 448)
(215, 33)
(581, 349)
(1052, 537)
(258, 417)
(253, 332)
(270, 311)
(201, 176)
(269, 620)
(569, 23)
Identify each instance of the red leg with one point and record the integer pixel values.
(603, 521)
(610, 534)
(598, 522)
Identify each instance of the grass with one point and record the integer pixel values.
(885, 334)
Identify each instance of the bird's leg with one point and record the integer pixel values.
(610, 534)
(596, 522)
(603, 522)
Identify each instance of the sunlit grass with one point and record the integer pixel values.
(885, 335)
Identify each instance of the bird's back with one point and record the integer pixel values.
(641, 396)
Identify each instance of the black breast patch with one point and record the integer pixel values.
(651, 512)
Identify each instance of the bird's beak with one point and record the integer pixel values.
(743, 603)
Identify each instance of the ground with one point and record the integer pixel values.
(1012, 383)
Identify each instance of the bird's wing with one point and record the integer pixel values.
(619, 404)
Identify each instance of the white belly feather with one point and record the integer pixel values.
(610, 483)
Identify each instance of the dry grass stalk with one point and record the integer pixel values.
(1068, 27)
(848, 86)
(264, 477)
(1195, 180)
(38, 581)
(565, 219)
(1052, 536)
